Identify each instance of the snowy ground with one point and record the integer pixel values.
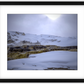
(52, 59)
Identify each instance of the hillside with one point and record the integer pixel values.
(40, 52)
(20, 38)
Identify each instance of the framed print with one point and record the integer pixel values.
(41, 42)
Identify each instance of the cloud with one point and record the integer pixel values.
(65, 25)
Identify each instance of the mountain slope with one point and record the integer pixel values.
(19, 39)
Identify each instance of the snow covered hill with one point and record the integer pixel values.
(46, 60)
(19, 39)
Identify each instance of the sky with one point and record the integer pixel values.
(64, 25)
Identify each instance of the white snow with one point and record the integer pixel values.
(44, 39)
(55, 59)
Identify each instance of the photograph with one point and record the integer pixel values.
(42, 42)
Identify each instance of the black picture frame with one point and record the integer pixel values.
(42, 3)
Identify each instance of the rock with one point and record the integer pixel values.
(59, 41)
(23, 34)
(28, 55)
(10, 41)
(17, 33)
(26, 42)
(16, 39)
(19, 48)
(11, 49)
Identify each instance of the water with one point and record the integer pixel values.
(47, 60)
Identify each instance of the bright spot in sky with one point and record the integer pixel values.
(53, 17)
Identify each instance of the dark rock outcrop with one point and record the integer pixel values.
(20, 49)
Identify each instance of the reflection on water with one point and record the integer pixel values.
(54, 60)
